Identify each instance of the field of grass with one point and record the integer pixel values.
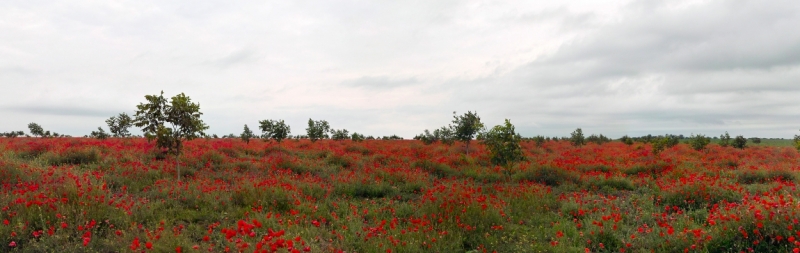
(121, 195)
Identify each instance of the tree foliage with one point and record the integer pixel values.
(357, 137)
(99, 134)
(277, 130)
(576, 138)
(36, 129)
(725, 139)
(739, 142)
(118, 125)
(317, 129)
(503, 144)
(699, 142)
(247, 134)
(466, 127)
(12, 134)
(182, 115)
(341, 134)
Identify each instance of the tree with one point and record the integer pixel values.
(577, 138)
(426, 137)
(99, 134)
(357, 137)
(740, 142)
(725, 139)
(36, 129)
(445, 135)
(181, 113)
(503, 144)
(699, 142)
(466, 127)
(118, 126)
(627, 140)
(338, 135)
(797, 142)
(247, 134)
(317, 129)
(274, 129)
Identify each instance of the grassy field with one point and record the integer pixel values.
(121, 195)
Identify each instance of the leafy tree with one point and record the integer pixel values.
(426, 137)
(36, 129)
(317, 129)
(181, 113)
(391, 137)
(699, 142)
(725, 139)
(755, 140)
(797, 142)
(338, 135)
(118, 126)
(445, 135)
(577, 138)
(357, 137)
(12, 134)
(247, 134)
(539, 140)
(740, 142)
(503, 144)
(627, 140)
(466, 127)
(274, 129)
(598, 139)
(99, 134)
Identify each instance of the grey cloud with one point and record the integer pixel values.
(380, 82)
(62, 111)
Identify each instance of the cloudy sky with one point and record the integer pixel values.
(399, 67)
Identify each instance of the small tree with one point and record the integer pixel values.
(445, 135)
(576, 137)
(725, 139)
(317, 129)
(99, 134)
(503, 144)
(699, 142)
(357, 137)
(466, 127)
(627, 140)
(274, 129)
(426, 137)
(247, 134)
(36, 129)
(339, 135)
(740, 142)
(118, 126)
(181, 113)
(797, 142)
(755, 140)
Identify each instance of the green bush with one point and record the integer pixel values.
(547, 175)
(436, 169)
(764, 176)
(75, 157)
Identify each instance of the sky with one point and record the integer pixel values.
(400, 67)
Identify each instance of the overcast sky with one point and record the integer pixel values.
(399, 67)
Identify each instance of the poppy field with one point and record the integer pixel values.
(122, 195)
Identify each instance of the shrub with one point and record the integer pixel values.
(503, 145)
(740, 142)
(576, 138)
(764, 176)
(547, 175)
(339, 135)
(437, 169)
(699, 142)
(75, 157)
(725, 139)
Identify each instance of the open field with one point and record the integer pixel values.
(88, 195)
